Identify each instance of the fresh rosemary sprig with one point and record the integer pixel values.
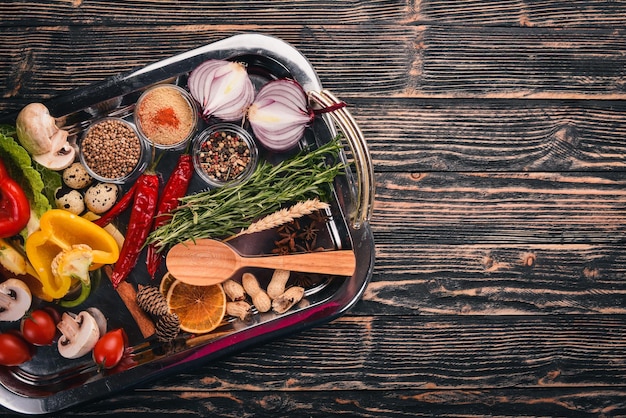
(226, 211)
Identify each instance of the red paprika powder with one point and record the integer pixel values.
(165, 114)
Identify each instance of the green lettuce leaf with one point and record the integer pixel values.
(7, 130)
(38, 182)
(52, 180)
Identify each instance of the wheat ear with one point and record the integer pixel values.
(284, 216)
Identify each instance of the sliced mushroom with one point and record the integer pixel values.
(38, 133)
(62, 154)
(15, 299)
(80, 334)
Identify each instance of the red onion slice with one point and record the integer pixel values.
(222, 88)
(279, 114)
(200, 79)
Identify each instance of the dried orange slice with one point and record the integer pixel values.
(200, 309)
(166, 283)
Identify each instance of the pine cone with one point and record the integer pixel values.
(167, 327)
(150, 299)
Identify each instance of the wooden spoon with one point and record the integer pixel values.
(208, 262)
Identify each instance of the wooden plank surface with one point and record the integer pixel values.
(506, 208)
(497, 132)
(397, 403)
(496, 135)
(538, 13)
(562, 366)
(399, 61)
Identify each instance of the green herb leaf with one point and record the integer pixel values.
(225, 211)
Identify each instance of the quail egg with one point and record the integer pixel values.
(76, 176)
(101, 197)
(70, 200)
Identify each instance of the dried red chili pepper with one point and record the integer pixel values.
(143, 210)
(14, 206)
(175, 188)
(119, 207)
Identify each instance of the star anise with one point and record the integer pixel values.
(282, 250)
(307, 280)
(287, 240)
(318, 217)
(289, 227)
(309, 246)
(309, 232)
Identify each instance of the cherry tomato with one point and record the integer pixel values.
(54, 314)
(38, 327)
(13, 350)
(110, 348)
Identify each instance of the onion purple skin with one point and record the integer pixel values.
(280, 114)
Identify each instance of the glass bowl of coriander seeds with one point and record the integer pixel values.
(224, 154)
(112, 151)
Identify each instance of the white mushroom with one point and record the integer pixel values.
(100, 319)
(35, 128)
(80, 334)
(15, 299)
(39, 135)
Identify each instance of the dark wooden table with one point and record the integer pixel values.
(498, 134)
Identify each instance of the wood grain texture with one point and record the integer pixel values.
(522, 63)
(503, 208)
(542, 13)
(508, 13)
(379, 366)
(230, 12)
(484, 279)
(422, 135)
(399, 352)
(398, 403)
(562, 402)
(497, 131)
(379, 61)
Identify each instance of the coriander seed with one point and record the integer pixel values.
(111, 149)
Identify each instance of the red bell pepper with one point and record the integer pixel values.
(14, 206)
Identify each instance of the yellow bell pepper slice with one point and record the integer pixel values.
(59, 231)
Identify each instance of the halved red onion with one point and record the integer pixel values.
(222, 88)
(279, 114)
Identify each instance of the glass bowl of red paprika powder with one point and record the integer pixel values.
(224, 154)
(167, 116)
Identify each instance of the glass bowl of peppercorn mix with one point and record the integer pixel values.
(224, 154)
(112, 151)
(167, 116)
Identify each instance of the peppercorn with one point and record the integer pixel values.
(224, 156)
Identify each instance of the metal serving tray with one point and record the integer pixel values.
(49, 383)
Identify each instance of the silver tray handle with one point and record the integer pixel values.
(362, 158)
